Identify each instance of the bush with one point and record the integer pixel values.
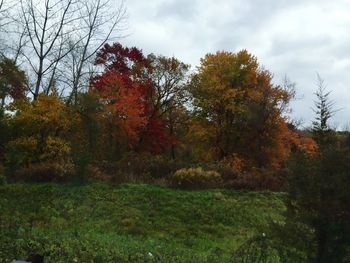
(148, 167)
(236, 163)
(45, 172)
(55, 149)
(21, 151)
(107, 171)
(81, 162)
(260, 179)
(196, 178)
(94, 173)
(227, 172)
(24, 150)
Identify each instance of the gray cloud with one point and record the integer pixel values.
(177, 9)
(297, 38)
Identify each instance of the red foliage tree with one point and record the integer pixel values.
(156, 137)
(123, 101)
(127, 89)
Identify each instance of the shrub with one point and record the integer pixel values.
(94, 173)
(24, 150)
(236, 163)
(148, 167)
(21, 151)
(159, 166)
(55, 149)
(107, 171)
(196, 178)
(227, 172)
(45, 171)
(81, 161)
(260, 179)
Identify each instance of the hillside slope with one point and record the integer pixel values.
(129, 223)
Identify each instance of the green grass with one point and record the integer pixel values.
(129, 223)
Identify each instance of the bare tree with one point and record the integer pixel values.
(1, 10)
(47, 24)
(101, 21)
(169, 77)
(55, 41)
(2, 16)
(4, 11)
(5, 22)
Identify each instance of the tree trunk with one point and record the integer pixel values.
(322, 239)
(2, 103)
(172, 147)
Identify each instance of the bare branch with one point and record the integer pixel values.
(97, 17)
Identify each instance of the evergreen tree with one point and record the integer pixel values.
(318, 191)
(324, 110)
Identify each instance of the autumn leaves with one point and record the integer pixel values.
(227, 110)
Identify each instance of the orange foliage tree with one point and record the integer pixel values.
(239, 111)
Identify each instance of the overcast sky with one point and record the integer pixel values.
(295, 38)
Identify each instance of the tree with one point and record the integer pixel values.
(100, 22)
(39, 130)
(3, 14)
(177, 120)
(168, 76)
(124, 92)
(239, 110)
(324, 109)
(89, 129)
(318, 195)
(5, 7)
(157, 81)
(170, 94)
(55, 41)
(123, 103)
(12, 86)
(318, 198)
(12, 81)
(47, 25)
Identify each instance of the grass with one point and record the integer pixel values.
(129, 223)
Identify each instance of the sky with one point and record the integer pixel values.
(298, 39)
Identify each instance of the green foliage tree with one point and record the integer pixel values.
(12, 81)
(318, 191)
(318, 197)
(12, 85)
(5, 133)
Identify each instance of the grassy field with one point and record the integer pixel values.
(129, 223)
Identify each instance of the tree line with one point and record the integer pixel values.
(227, 111)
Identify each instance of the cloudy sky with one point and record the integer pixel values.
(298, 38)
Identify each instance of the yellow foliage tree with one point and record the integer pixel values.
(39, 128)
(240, 110)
